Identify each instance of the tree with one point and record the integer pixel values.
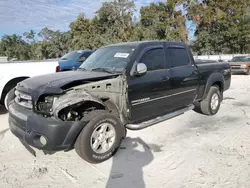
(115, 19)
(54, 44)
(112, 23)
(14, 46)
(82, 31)
(2, 50)
(30, 36)
(164, 21)
(222, 26)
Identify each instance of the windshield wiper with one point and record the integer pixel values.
(104, 70)
(83, 69)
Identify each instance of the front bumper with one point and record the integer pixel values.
(239, 70)
(28, 127)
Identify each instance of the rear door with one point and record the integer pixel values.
(184, 79)
(147, 93)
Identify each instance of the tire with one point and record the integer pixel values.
(9, 97)
(85, 141)
(206, 106)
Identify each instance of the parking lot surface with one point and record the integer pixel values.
(191, 150)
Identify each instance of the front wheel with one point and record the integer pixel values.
(248, 71)
(100, 138)
(9, 97)
(211, 104)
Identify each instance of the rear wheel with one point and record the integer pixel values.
(100, 138)
(211, 104)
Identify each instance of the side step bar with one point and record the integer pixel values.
(149, 123)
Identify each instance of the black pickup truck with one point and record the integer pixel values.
(123, 86)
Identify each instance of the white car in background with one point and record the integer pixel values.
(12, 73)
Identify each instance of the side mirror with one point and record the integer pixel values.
(141, 69)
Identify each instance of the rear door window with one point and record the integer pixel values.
(178, 57)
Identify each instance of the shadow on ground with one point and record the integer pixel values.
(2, 133)
(128, 163)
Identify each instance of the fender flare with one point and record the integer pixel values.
(214, 78)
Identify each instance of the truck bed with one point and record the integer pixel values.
(208, 67)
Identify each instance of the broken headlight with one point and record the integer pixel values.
(45, 104)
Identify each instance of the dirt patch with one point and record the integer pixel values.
(205, 125)
(241, 104)
(213, 122)
(37, 172)
(154, 147)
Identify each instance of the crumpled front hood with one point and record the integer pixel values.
(53, 83)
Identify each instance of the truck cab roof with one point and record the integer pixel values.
(147, 43)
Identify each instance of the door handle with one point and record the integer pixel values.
(165, 78)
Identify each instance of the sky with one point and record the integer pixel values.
(19, 16)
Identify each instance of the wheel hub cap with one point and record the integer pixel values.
(214, 101)
(103, 138)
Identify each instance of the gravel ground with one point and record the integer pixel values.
(191, 150)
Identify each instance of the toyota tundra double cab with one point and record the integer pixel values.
(123, 86)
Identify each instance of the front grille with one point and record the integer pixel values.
(23, 99)
(235, 66)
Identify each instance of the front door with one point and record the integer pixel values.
(147, 93)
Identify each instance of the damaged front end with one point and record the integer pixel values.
(68, 106)
(45, 104)
(77, 101)
(74, 104)
(53, 122)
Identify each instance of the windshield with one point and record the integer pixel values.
(71, 55)
(113, 59)
(241, 59)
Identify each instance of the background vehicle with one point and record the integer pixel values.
(199, 61)
(241, 64)
(73, 60)
(13, 72)
(122, 86)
